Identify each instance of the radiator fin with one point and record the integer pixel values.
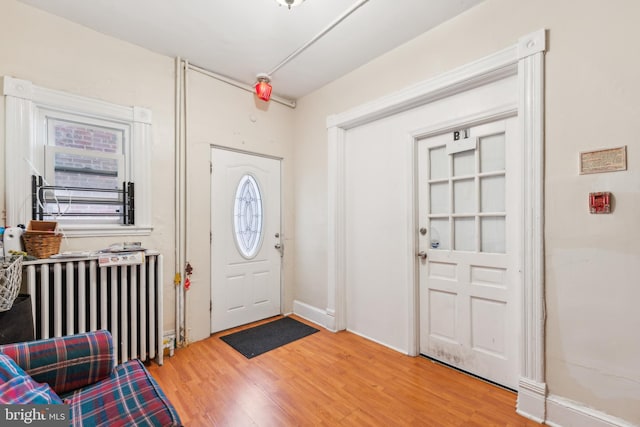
(78, 296)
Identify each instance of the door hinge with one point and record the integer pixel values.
(210, 237)
(210, 167)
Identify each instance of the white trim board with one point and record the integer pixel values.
(563, 412)
(312, 314)
(526, 60)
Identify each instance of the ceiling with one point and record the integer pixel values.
(241, 38)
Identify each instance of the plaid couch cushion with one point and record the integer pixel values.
(16, 387)
(65, 363)
(129, 397)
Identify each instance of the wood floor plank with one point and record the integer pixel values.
(326, 379)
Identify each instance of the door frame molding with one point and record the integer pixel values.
(525, 60)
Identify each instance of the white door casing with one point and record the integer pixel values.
(469, 235)
(245, 238)
(525, 60)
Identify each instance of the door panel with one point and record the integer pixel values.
(245, 224)
(470, 203)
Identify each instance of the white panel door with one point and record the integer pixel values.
(245, 238)
(469, 233)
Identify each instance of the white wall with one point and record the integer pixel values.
(57, 54)
(592, 262)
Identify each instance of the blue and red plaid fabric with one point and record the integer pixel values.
(17, 387)
(65, 363)
(130, 397)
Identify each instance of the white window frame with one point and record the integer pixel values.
(25, 151)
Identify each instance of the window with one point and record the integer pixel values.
(467, 197)
(83, 153)
(87, 149)
(247, 214)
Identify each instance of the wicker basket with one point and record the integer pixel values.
(41, 245)
(10, 282)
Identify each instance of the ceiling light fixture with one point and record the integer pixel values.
(290, 3)
(263, 87)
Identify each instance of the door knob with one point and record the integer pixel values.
(422, 255)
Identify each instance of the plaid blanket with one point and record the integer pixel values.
(129, 397)
(17, 387)
(65, 363)
(80, 368)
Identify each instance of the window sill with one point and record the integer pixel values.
(104, 230)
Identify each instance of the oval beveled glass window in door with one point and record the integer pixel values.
(247, 216)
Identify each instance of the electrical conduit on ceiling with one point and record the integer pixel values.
(318, 36)
(250, 88)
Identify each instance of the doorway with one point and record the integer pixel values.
(246, 242)
(469, 231)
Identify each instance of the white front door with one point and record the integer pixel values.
(469, 235)
(245, 238)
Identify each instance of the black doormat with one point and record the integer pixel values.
(262, 338)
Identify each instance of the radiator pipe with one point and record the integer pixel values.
(183, 197)
(178, 132)
(181, 194)
(187, 194)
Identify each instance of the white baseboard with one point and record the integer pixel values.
(399, 350)
(563, 412)
(327, 319)
(313, 314)
(532, 400)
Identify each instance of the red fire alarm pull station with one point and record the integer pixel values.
(600, 203)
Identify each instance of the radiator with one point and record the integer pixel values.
(75, 296)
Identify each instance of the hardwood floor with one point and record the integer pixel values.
(327, 379)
